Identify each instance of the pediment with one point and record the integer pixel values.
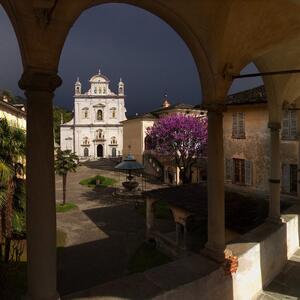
(99, 105)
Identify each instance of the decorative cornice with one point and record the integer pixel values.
(99, 105)
(37, 80)
(99, 96)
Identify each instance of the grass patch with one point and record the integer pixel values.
(147, 257)
(103, 181)
(61, 208)
(161, 210)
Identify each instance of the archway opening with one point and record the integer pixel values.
(100, 150)
(147, 60)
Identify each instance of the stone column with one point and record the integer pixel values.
(215, 245)
(40, 184)
(275, 172)
(298, 136)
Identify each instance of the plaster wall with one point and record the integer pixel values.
(14, 118)
(255, 147)
(133, 137)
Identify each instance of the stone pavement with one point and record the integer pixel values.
(287, 284)
(102, 234)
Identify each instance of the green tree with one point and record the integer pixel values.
(65, 162)
(12, 152)
(59, 114)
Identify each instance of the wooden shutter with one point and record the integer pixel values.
(241, 125)
(286, 178)
(293, 124)
(285, 125)
(234, 125)
(228, 168)
(248, 172)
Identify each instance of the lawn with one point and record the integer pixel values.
(103, 181)
(61, 208)
(147, 257)
(161, 210)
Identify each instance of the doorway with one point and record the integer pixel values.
(86, 152)
(114, 152)
(100, 150)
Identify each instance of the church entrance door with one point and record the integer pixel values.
(114, 152)
(99, 151)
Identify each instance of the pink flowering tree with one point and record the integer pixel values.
(182, 137)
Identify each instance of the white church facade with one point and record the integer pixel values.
(96, 130)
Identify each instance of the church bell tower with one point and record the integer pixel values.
(121, 87)
(77, 87)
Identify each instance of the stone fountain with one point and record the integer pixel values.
(129, 164)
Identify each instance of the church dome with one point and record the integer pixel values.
(99, 78)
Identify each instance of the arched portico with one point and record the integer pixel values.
(221, 45)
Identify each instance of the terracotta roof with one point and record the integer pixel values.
(155, 113)
(251, 96)
(13, 107)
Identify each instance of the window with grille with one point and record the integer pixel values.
(289, 125)
(238, 125)
(238, 171)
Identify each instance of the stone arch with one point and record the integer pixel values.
(200, 57)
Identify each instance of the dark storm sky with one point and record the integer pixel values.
(123, 41)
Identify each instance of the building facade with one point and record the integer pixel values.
(14, 113)
(96, 130)
(135, 142)
(247, 142)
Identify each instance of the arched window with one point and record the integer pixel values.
(85, 113)
(104, 90)
(95, 90)
(113, 140)
(99, 115)
(113, 112)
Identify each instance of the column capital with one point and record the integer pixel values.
(39, 80)
(274, 126)
(216, 107)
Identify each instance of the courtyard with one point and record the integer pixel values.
(104, 233)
